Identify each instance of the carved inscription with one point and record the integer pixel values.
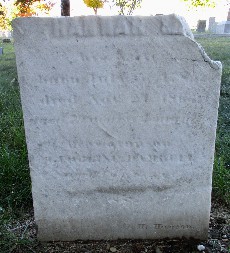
(116, 99)
(108, 145)
(74, 143)
(110, 97)
(166, 227)
(145, 117)
(142, 226)
(85, 27)
(58, 80)
(122, 158)
(58, 100)
(104, 152)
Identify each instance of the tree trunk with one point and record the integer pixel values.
(65, 7)
(95, 11)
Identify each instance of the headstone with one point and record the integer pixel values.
(212, 25)
(6, 40)
(201, 26)
(227, 27)
(228, 17)
(223, 27)
(1, 50)
(120, 117)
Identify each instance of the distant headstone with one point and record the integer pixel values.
(223, 27)
(1, 50)
(201, 26)
(120, 117)
(227, 27)
(6, 40)
(212, 25)
(228, 17)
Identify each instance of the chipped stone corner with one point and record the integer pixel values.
(176, 25)
(187, 32)
(217, 65)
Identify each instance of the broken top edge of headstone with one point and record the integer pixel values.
(213, 64)
(171, 24)
(156, 25)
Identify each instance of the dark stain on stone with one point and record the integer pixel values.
(132, 189)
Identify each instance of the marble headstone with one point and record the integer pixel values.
(212, 25)
(223, 27)
(228, 17)
(120, 118)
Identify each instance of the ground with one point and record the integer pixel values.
(218, 239)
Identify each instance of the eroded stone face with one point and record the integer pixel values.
(120, 116)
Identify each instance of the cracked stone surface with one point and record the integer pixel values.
(120, 116)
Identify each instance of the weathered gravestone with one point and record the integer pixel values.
(120, 116)
(201, 26)
(212, 25)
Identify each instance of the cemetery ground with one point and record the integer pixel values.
(17, 227)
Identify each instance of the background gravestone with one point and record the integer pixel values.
(212, 25)
(201, 26)
(223, 27)
(120, 117)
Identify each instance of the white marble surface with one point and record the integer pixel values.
(120, 117)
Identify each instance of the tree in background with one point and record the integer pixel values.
(94, 4)
(127, 6)
(21, 8)
(201, 3)
(28, 8)
(3, 23)
(65, 7)
(10, 9)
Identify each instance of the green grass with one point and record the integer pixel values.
(15, 185)
(219, 49)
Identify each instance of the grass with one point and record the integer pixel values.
(14, 169)
(15, 185)
(218, 49)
